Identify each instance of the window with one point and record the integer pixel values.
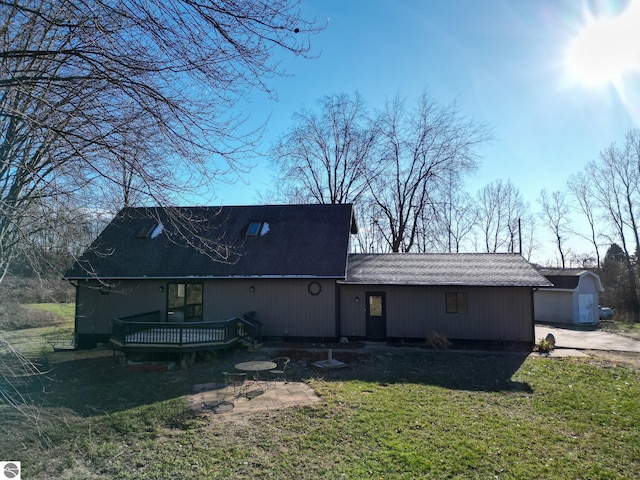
(257, 228)
(184, 302)
(375, 305)
(146, 231)
(150, 230)
(253, 229)
(457, 302)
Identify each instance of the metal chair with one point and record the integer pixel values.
(280, 370)
(234, 381)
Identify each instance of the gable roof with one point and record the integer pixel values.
(185, 242)
(568, 278)
(463, 269)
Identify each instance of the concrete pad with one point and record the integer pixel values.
(587, 340)
(259, 397)
(329, 365)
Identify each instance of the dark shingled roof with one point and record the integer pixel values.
(565, 278)
(465, 269)
(293, 241)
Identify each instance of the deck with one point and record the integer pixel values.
(145, 333)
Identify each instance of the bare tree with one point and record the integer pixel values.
(615, 195)
(500, 207)
(616, 192)
(450, 219)
(580, 185)
(134, 93)
(369, 238)
(327, 156)
(139, 96)
(457, 213)
(528, 230)
(555, 215)
(418, 148)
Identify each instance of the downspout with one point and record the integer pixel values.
(338, 311)
(533, 316)
(75, 317)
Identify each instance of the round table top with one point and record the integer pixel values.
(255, 366)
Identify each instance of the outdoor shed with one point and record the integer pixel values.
(573, 297)
(474, 297)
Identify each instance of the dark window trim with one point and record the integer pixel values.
(461, 306)
(185, 306)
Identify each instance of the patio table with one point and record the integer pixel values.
(256, 367)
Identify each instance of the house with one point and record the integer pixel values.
(178, 268)
(464, 296)
(572, 299)
(196, 278)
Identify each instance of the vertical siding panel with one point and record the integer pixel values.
(96, 310)
(352, 313)
(284, 306)
(495, 313)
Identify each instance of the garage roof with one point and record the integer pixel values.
(465, 269)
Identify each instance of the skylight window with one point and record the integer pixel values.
(150, 231)
(157, 230)
(257, 229)
(145, 231)
(253, 229)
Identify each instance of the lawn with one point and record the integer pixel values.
(37, 341)
(629, 329)
(392, 414)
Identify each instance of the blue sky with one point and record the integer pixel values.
(504, 62)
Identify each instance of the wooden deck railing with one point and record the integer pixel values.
(145, 331)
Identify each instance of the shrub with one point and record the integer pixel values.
(545, 345)
(16, 289)
(14, 316)
(437, 342)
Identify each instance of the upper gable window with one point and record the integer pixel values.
(253, 229)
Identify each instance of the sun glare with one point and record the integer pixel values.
(606, 49)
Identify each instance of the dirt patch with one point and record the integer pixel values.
(627, 359)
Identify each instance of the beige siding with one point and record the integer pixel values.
(416, 311)
(285, 307)
(95, 310)
(554, 306)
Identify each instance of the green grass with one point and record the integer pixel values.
(65, 311)
(35, 342)
(395, 414)
(629, 329)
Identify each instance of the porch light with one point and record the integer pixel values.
(357, 299)
(252, 289)
(161, 289)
